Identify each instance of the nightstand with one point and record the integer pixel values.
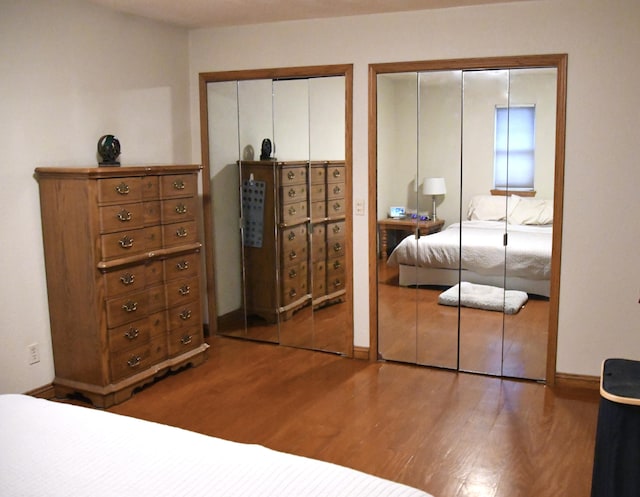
(406, 224)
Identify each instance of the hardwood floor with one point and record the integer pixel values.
(414, 328)
(451, 434)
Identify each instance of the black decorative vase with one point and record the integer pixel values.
(108, 150)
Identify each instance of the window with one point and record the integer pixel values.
(514, 160)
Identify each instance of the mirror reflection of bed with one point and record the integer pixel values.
(444, 298)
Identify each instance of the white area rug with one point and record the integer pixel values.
(486, 297)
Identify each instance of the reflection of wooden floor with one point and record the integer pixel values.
(326, 329)
(434, 340)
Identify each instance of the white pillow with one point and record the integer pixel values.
(532, 211)
(491, 207)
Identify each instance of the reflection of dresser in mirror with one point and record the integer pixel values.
(293, 218)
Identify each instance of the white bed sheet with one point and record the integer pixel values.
(528, 253)
(60, 450)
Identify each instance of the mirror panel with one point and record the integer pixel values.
(397, 138)
(480, 329)
(263, 293)
(440, 122)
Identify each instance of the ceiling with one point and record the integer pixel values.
(218, 13)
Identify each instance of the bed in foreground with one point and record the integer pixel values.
(54, 449)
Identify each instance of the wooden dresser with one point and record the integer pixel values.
(122, 255)
(293, 235)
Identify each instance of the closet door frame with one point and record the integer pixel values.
(558, 61)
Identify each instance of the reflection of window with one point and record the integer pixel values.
(514, 163)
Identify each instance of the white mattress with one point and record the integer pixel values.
(528, 254)
(59, 450)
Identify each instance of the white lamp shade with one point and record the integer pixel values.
(434, 186)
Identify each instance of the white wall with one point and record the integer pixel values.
(69, 73)
(599, 311)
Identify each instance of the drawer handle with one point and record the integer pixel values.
(293, 273)
(292, 211)
(124, 215)
(184, 290)
(292, 235)
(337, 247)
(291, 175)
(127, 279)
(336, 228)
(292, 292)
(292, 255)
(185, 314)
(178, 184)
(130, 306)
(337, 284)
(186, 339)
(337, 265)
(337, 190)
(134, 361)
(123, 189)
(132, 333)
(181, 208)
(182, 266)
(126, 242)
(181, 232)
(292, 193)
(336, 173)
(337, 206)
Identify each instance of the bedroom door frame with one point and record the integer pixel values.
(557, 61)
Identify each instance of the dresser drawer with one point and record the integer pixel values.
(153, 272)
(158, 350)
(318, 250)
(124, 280)
(129, 335)
(126, 309)
(335, 190)
(152, 238)
(335, 249)
(123, 244)
(178, 185)
(336, 208)
(335, 268)
(184, 339)
(291, 194)
(178, 209)
(293, 255)
(179, 233)
(182, 266)
(318, 193)
(319, 278)
(158, 323)
(335, 230)
(186, 315)
(118, 190)
(157, 298)
(130, 361)
(152, 209)
(121, 217)
(335, 174)
(292, 175)
(182, 291)
(294, 283)
(318, 174)
(335, 284)
(293, 213)
(150, 187)
(293, 238)
(318, 210)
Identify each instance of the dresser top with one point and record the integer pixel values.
(114, 172)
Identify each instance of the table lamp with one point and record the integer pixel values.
(434, 187)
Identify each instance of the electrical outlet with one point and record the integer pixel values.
(34, 353)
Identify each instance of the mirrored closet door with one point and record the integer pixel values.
(468, 172)
(277, 205)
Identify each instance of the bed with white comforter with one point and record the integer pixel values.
(480, 254)
(60, 450)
